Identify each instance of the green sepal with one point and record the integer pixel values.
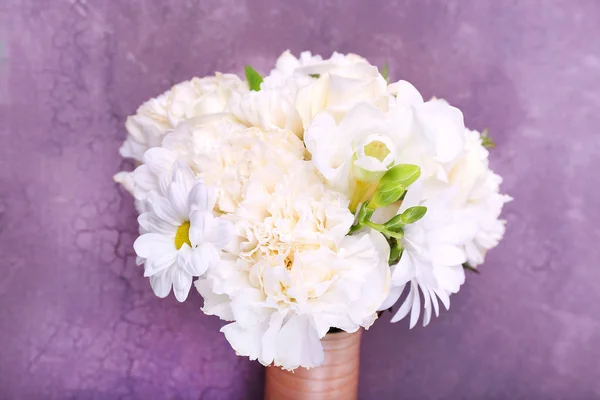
(395, 223)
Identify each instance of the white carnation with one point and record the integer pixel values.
(240, 153)
(343, 81)
(295, 274)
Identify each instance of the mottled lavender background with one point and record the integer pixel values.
(78, 320)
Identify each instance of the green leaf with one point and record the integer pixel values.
(385, 72)
(413, 214)
(254, 78)
(314, 75)
(486, 140)
(404, 174)
(394, 224)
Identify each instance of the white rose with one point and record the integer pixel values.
(189, 99)
(202, 96)
(298, 89)
(343, 81)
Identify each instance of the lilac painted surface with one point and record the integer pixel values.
(78, 320)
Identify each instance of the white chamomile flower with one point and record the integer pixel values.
(182, 238)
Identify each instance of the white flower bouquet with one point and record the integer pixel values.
(308, 201)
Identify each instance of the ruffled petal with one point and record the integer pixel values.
(246, 341)
(214, 304)
(306, 350)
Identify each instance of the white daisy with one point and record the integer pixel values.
(182, 237)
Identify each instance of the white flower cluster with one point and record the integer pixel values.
(310, 199)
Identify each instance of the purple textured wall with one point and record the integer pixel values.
(78, 320)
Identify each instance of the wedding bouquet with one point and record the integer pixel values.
(309, 200)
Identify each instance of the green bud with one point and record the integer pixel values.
(403, 174)
(254, 78)
(413, 214)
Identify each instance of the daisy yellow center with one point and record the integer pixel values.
(183, 235)
(377, 149)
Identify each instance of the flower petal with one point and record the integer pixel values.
(214, 304)
(161, 284)
(246, 342)
(197, 227)
(150, 244)
(306, 350)
(179, 189)
(201, 198)
(163, 209)
(405, 307)
(415, 312)
(159, 262)
(150, 222)
(219, 232)
(182, 281)
(197, 260)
